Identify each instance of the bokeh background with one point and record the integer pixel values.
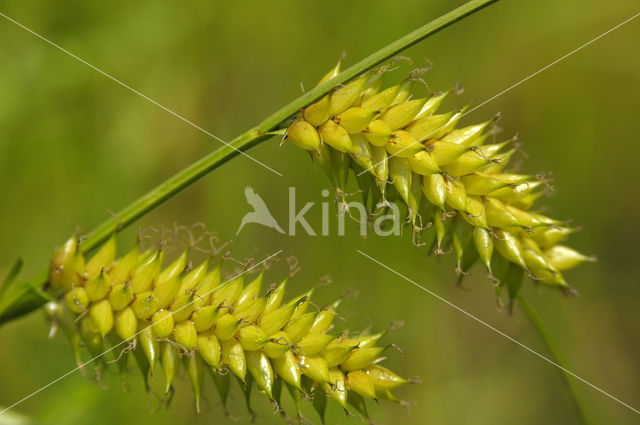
(74, 145)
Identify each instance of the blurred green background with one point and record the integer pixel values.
(73, 145)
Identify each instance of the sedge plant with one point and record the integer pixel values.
(453, 181)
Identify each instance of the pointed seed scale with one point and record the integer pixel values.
(381, 100)
(402, 144)
(195, 371)
(121, 270)
(383, 379)
(426, 128)
(205, 317)
(324, 318)
(475, 213)
(562, 257)
(146, 273)
(337, 388)
(144, 305)
(336, 352)
(360, 358)
(227, 326)
(97, 288)
(358, 382)
(401, 114)
(484, 245)
(194, 277)
(298, 327)
(444, 153)
(183, 307)
(233, 357)
(286, 366)
(346, 96)
(274, 321)
(252, 338)
(249, 293)
(315, 367)
(423, 163)
(260, 368)
(466, 136)
(102, 259)
(121, 296)
(150, 345)
(228, 292)
(317, 113)
(509, 247)
(166, 290)
(332, 73)
(170, 360)
(356, 119)
(314, 343)
(432, 104)
(252, 310)
(378, 133)
(435, 189)
(174, 269)
(275, 297)
(404, 91)
(278, 345)
(456, 195)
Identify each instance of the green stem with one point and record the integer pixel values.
(572, 385)
(11, 308)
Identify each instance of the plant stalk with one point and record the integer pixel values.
(11, 307)
(579, 401)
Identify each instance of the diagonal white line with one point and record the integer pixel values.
(127, 340)
(544, 68)
(109, 76)
(532, 351)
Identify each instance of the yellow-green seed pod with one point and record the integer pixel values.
(233, 357)
(209, 349)
(227, 327)
(252, 310)
(336, 352)
(401, 114)
(260, 368)
(467, 136)
(102, 259)
(432, 104)
(373, 85)
(498, 215)
(355, 120)
(298, 327)
(362, 341)
(332, 72)
(175, 268)
(318, 113)
(286, 366)
(249, 293)
(206, 286)
(456, 195)
(183, 306)
(484, 245)
(301, 303)
(550, 237)
(195, 371)
(359, 382)
(163, 324)
(77, 300)
(126, 323)
(228, 292)
(166, 291)
(466, 163)
(400, 173)
(278, 345)
(509, 246)
(315, 367)
(337, 388)
(403, 145)
(562, 257)
(534, 258)
(423, 163)
(121, 296)
(361, 358)
(304, 135)
(361, 154)
(97, 288)
(252, 338)
(121, 271)
(314, 342)
(444, 153)
(381, 100)
(346, 96)
(194, 277)
(274, 321)
(150, 346)
(146, 273)
(144, 305)
(185, 334)
(275, 297)
(426, 128)
(383, 379)
(324, 319)
(63, 265)
(205, 317)
(475, 212)
(380, 161)
(484, 184)
(435, 189)
(170, 360)
(404, 91)
(102, 317)
(378, 133)
(336, 136)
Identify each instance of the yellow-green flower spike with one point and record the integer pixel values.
(187, 318)
(393, 135)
